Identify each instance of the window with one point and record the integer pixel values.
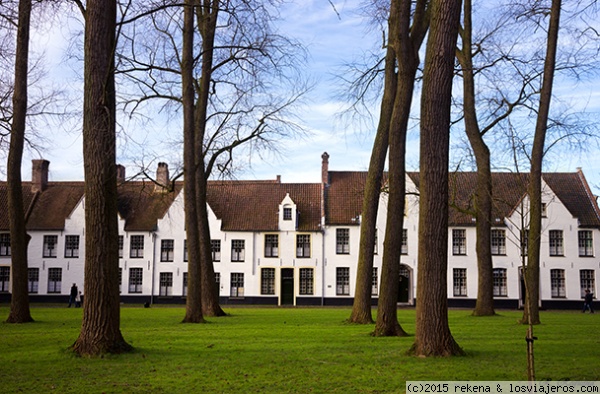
(54, 280)
(185, 282)
(4, 279)
(167, 250)
(342, 241)
(557, 283)
(5, 244)
(237, 250)
(375, 247)
(50, 242)
(120, 246)
(586, 244)
(33, 280)
(306, 281)
(500, 289)
(544, 210)
(267, 281)
(303, 245)
(136, 249)
(587, 281)
(524, 242)
(166, 284)
(271, 245)
(404, 247)
(556, 243)
(498, 242)
(459, 242)
(72, 246)
(218, 281)
(135, 280)
(215, 247)
(374, 282)
(237, 284)
(120, 279)
(342, 280)
(287, 213)
(185, 251)
(460, 282)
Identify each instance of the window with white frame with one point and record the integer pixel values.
(4, 279)
(215, 247)
(287, 213)
(4, 244)
(303, 245)
(376, 247)
(498, 242)
(374, 289)
(459, 242)
(556, 242)
(460, 282)
(342, 241)
(557, 283)
(166, 284)
(237, 284)
(54, 280)
(167, 250)
(50, 242)
(136, 246)
(404, 247)
(121, 241)
(524, 241)
(185, 282)
(136, 276)
(499, 278)
(72, 246)
(185, 251)
(306, 281)
(342, 280)
(587, 281)
(586, 243)
(271, 245)
(33, 280)
(238, 253)
(120, 280)
(267, 281)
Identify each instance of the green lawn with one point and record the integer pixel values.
(283, 350)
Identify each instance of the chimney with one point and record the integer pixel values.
(162, 178)
(325, 168)
(39, 175)
(120, 174)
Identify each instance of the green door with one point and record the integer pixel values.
(287, 286)
(404, 284)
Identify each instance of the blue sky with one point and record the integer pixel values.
(332, 40)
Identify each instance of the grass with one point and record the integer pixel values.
(295, 350)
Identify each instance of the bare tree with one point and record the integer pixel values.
(433, 337)
(19, 306)
(100, 329)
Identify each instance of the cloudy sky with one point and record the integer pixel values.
(333, 37)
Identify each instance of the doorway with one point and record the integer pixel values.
(404, 286)
(287, 286)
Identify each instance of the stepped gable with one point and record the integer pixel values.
(344, 197)
(140, 205)
(254, 205)
(574, 192)
(49, 209)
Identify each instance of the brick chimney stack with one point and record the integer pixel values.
(39, 175)
(325, 168)
(162, 178)
(120, 174)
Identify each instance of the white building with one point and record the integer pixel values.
(297, 243)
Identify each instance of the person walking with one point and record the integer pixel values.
(73, 295)
(587, 301)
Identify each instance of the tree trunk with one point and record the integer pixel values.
(361, 308)
(19, 305)
(531, 313)
(193, 307)
(483, 195)
(405, 44)
(100, 331)
(433, 337)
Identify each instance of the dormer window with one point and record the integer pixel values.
(287, 213)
